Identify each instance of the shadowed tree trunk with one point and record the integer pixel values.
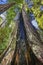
(4, 7)
(21, 55)
(34, 40)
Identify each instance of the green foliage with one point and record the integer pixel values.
(17, 1)
(4, 35)
(10, 15)
(0, 19)
(36, 1)
(11, 12)
(38, 14)
(6, 31)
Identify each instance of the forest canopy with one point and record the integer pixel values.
(37, 9)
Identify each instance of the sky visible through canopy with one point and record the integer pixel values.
(3, 1)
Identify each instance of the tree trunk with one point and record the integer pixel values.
(4, 7)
